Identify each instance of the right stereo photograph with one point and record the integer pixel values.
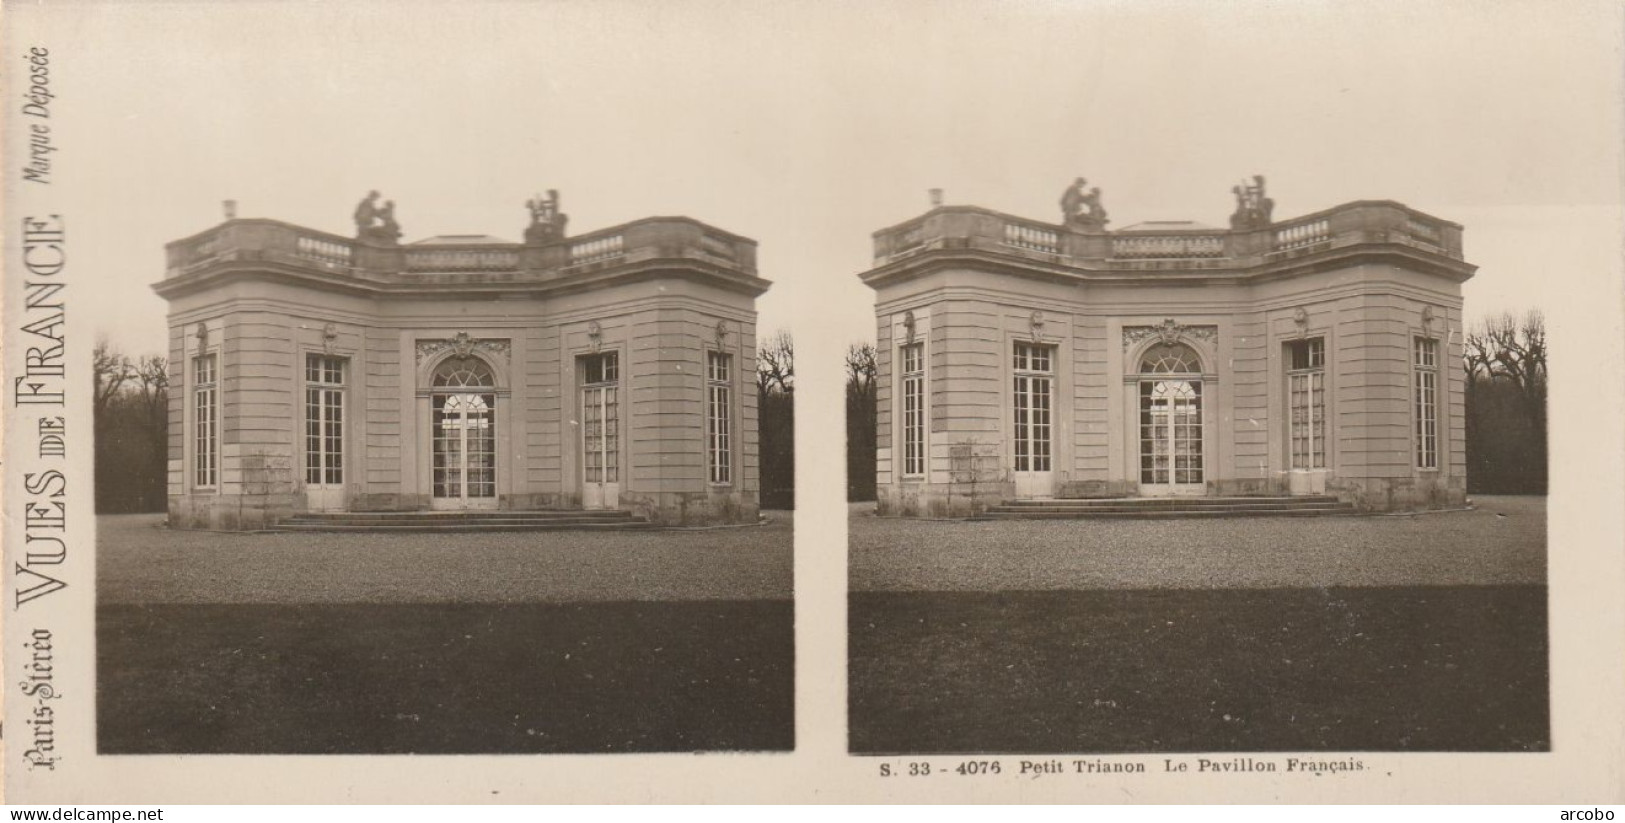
(1183, 487)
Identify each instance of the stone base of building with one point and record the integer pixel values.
(693, 508)
(1397, 494)
(1366, 494)
(1093, 489)
(250, 512)
(229, 512)
(1251, 487)
(940, 499)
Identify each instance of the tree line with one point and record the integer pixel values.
(130, 415)
(776, 420)
(1505, 360)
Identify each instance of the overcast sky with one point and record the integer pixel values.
(808, 126)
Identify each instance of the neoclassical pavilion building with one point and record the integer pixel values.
(312, 372)
(1027, 360)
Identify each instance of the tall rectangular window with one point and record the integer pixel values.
(719, 416)
(205, 421)
(600, 417)
(324, 420)
(1306, 396)
(1426, 363)
(1034, 366)
(912, 359)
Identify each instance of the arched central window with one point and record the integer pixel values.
(1170, 358)
(458, 374)
(464, 434)
(1171, 452)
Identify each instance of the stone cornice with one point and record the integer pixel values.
(1216, 272)
(461, 285)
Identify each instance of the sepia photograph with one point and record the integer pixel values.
(456, 494)
(1239, 445)
(449, 465)
(1161, 488)
(1197, 403)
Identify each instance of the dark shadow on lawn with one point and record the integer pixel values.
(436, 678)
(1352, 669)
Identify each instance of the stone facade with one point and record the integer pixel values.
(1019, 359)
(313, 372)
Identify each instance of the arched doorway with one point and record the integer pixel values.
(1171, 457)
(463, 419)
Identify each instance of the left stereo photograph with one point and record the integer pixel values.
(367, 493)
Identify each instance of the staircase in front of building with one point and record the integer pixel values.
(1171, 508)
(462, 521)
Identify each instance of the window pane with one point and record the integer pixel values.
(719, 418)
(912, 357)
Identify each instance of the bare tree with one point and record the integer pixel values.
(1505, 361)
(131, 423)
(776, 364)
(861, 369)
(151, 374)
(111, 371)
(776, 419)
(1506, 348)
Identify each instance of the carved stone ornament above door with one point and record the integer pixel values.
(1169, 331)
(463, 346)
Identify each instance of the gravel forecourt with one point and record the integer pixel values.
(139, 561)
(1502, 541)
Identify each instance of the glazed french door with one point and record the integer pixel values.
(1171, 437)
(465, 454)
(1032, 412)
(600, 432)
(324, 433)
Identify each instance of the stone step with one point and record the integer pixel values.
(1160, 510)
(461, 521)
(492, 521)
(469, 515)
(443, 528)
(1166, 502)
(1170, 514)
(1184, 508)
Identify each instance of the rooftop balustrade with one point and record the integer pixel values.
(273, 241)
(1158, 247)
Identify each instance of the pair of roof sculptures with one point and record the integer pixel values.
(377, 223)
(1081, 208)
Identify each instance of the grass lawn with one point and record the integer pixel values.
(442, 678)
(1372, 669)
(1419, 633)
(544, 642)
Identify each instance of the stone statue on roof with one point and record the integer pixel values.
(1253, 207)
(366, 212)
(1072, 201)
(546, 221)
(1095, 217)
(1081, 209)
(388, 229)
(1265, 206)
(376, 223)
